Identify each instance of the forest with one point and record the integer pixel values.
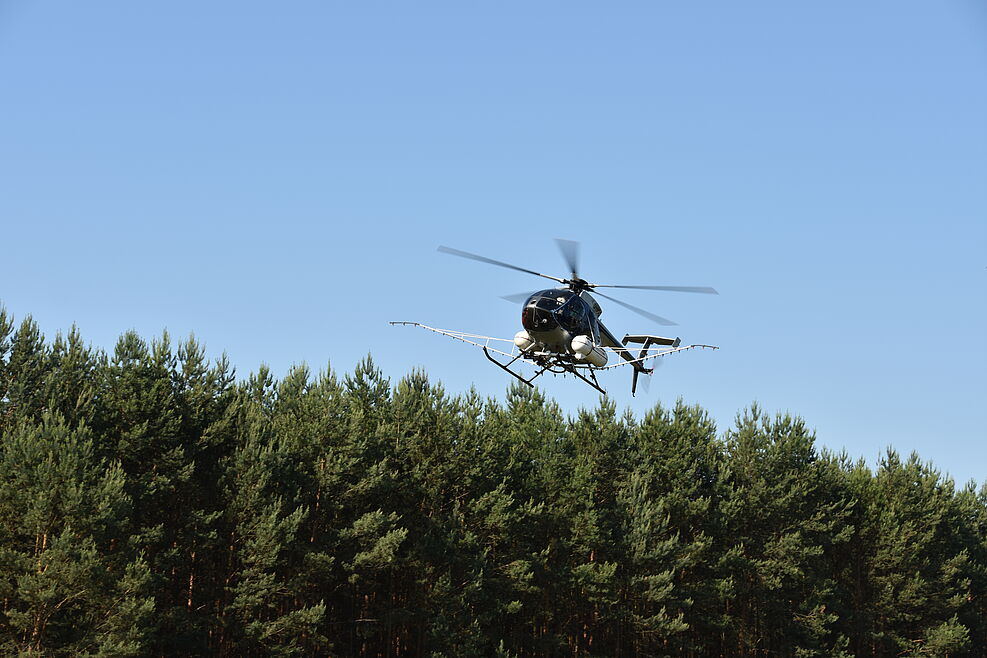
(153, 502)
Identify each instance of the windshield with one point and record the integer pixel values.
(566, 308)
(549, 300)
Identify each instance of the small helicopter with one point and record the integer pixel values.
(562, 332)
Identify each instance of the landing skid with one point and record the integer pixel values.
(507, 367)
(592, 376)
(591, 380)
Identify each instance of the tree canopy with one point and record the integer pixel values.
(152, 503)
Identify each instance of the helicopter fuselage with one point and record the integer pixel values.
(564, 322)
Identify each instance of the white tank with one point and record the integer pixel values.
(585, 350)
(523, 340)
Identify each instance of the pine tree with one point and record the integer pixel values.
(70, 385)
(782, 517)
(262, 614)
(165, 418)
(69, 586)
(673, 530)
(24, 374)
(915, 578)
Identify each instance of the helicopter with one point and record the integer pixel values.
(562, 332)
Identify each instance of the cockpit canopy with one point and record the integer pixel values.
(547, 310)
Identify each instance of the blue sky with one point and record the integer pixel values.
(276, 178)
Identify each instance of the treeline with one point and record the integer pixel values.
(153, 504)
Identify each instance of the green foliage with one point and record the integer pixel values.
(152, 504)
(63, 511)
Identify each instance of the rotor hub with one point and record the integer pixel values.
(578, 285)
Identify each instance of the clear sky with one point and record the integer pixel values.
(276, 177)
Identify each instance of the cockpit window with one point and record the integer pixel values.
(549, 299)
(571, 313)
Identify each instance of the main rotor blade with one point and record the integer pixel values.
(570, 252)
(706, 290)
(491, 261)
(518, 298)
(640, 311)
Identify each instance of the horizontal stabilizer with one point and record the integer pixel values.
(651, 340)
